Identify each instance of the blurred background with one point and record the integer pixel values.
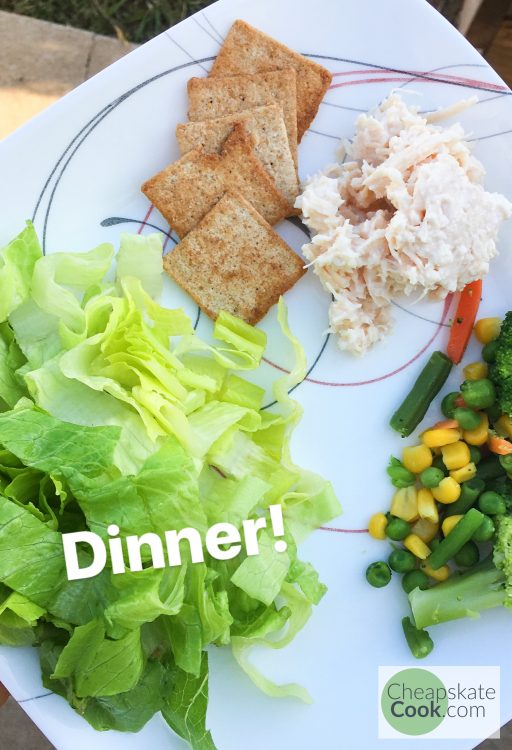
(48, 47)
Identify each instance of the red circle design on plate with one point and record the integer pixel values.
(342, 531)
(411, 76)
(443, 78)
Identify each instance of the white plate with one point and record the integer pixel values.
(81, 162)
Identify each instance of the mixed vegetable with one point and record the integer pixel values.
(450, 520)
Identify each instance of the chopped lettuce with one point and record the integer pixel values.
(114, 411)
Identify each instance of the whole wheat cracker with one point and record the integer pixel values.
(187, 189)
(234, 261)
(215, 97)
(248, 50)
(266, 127)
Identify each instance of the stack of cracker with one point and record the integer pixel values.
(237, 175)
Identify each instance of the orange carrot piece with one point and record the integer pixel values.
(446, 424)
(465, 316)
(500, 446)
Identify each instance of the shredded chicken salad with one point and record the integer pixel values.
(405, 214)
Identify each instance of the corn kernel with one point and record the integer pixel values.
(439, 438)
(417, 546)
(456, 455)
(427, 508)
(479, 435)
(441, 574)
(377, 526)
(448, 491)
(503, 426)
(464, 474)
(405, 504)
(449, 523)
(416, 458)
(476, 371)
(487, 329)
(425, 529)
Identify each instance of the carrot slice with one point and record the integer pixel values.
(446, 424)
(500, 446)
(465, 316)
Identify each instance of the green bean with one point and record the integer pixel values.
(401, 561)
(469, 494)
(478, 394)
(485, 531)
(489, 351)
(491, 503)
(489, 469)
(415, 579)
(506, 462)
(378, 574)
(467, 418)
(438, 463)
(397, 529)
(428, 384)
(475, 454)
(494, 412)
(456, 539)
(467, 556)
(448, 404)
(419, 641)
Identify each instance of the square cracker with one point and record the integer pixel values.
(248, 50)
(234, 261)
(226, 95)
(266, 127)
(187, 189)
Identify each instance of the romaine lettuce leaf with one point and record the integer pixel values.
(114, 411)
(185, 709)
(17, 262)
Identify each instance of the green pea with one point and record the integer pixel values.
(438, 463)
(485, 531)
(475, 454)
(467, 556)
(448, 404)
(401, 561)
(489, 351)
(467, 418)
(415, 579)
(506, 462)
(397, 529)
(491, 503)
(378, 574)
(478, 394)
(431, 477)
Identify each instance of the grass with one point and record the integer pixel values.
(132, 20)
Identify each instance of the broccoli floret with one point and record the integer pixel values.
(487, 585)
(500, 371)
(502, 554)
